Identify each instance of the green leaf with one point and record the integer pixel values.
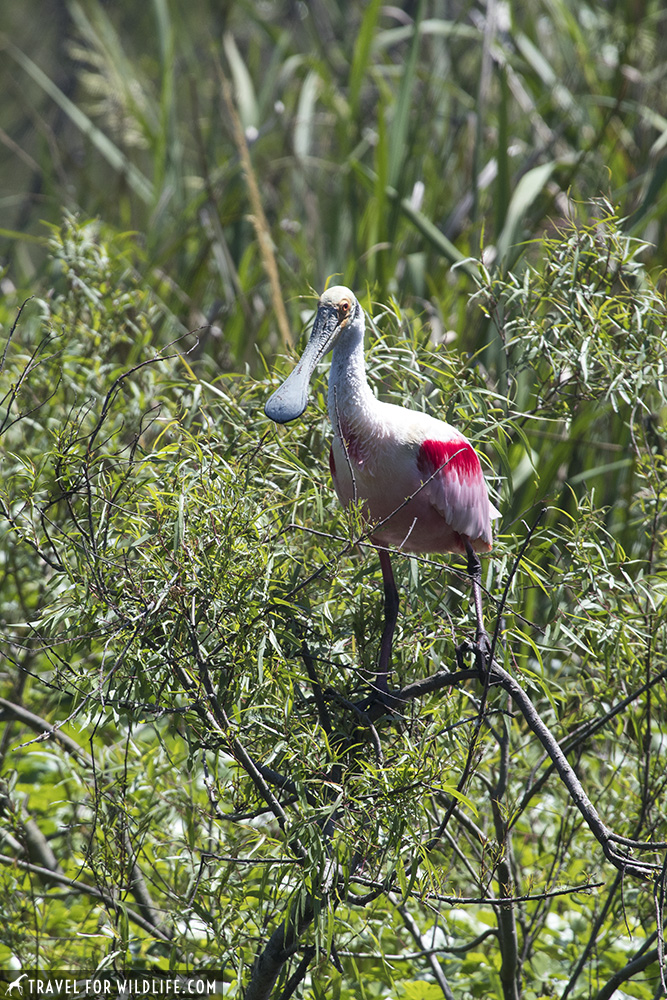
(361, 56)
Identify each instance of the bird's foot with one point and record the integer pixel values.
(480, 649)
(483, 644)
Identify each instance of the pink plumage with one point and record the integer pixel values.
(419, 480)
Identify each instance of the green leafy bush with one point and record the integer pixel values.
(193, 774)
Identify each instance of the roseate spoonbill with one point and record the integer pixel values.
(419, 479)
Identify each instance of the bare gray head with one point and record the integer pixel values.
(337, 310)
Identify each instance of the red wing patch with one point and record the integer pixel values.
(449, 457)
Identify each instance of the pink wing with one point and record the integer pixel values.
(458, 489)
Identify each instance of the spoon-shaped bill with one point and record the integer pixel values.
(290, 400)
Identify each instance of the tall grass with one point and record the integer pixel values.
(388, 144)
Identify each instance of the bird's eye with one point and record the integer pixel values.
(343, 308)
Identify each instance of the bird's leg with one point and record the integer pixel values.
(390, 619)
(475, 571)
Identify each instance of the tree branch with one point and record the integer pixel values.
(600, 831)
(282, 943)
(436, 968)
(637, 964)
(79, 887)
(147, 907)
(507, 934)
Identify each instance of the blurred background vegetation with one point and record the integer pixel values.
(490, 179)
(376, 146)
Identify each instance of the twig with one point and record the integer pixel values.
(216, 717)
(659, 899)
(436, 968)
(569, 778)
(439, 897)
(323, 711)
(77, 886)
(46, 730)
(299, 973)
(282, 943)
(584, 733)
(508, 582)
(366, 717)
(12, 332)
(636, 965)
(506, 916)
(138, 887)
(409, 956)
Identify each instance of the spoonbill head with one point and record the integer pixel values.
(337, 311)
(419, 480)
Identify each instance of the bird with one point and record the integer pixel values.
(418, 479)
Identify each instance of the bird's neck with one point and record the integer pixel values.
(351, 402)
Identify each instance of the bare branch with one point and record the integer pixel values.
(147, 907)
(601, 832)
(412, 927)
(628, 971)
